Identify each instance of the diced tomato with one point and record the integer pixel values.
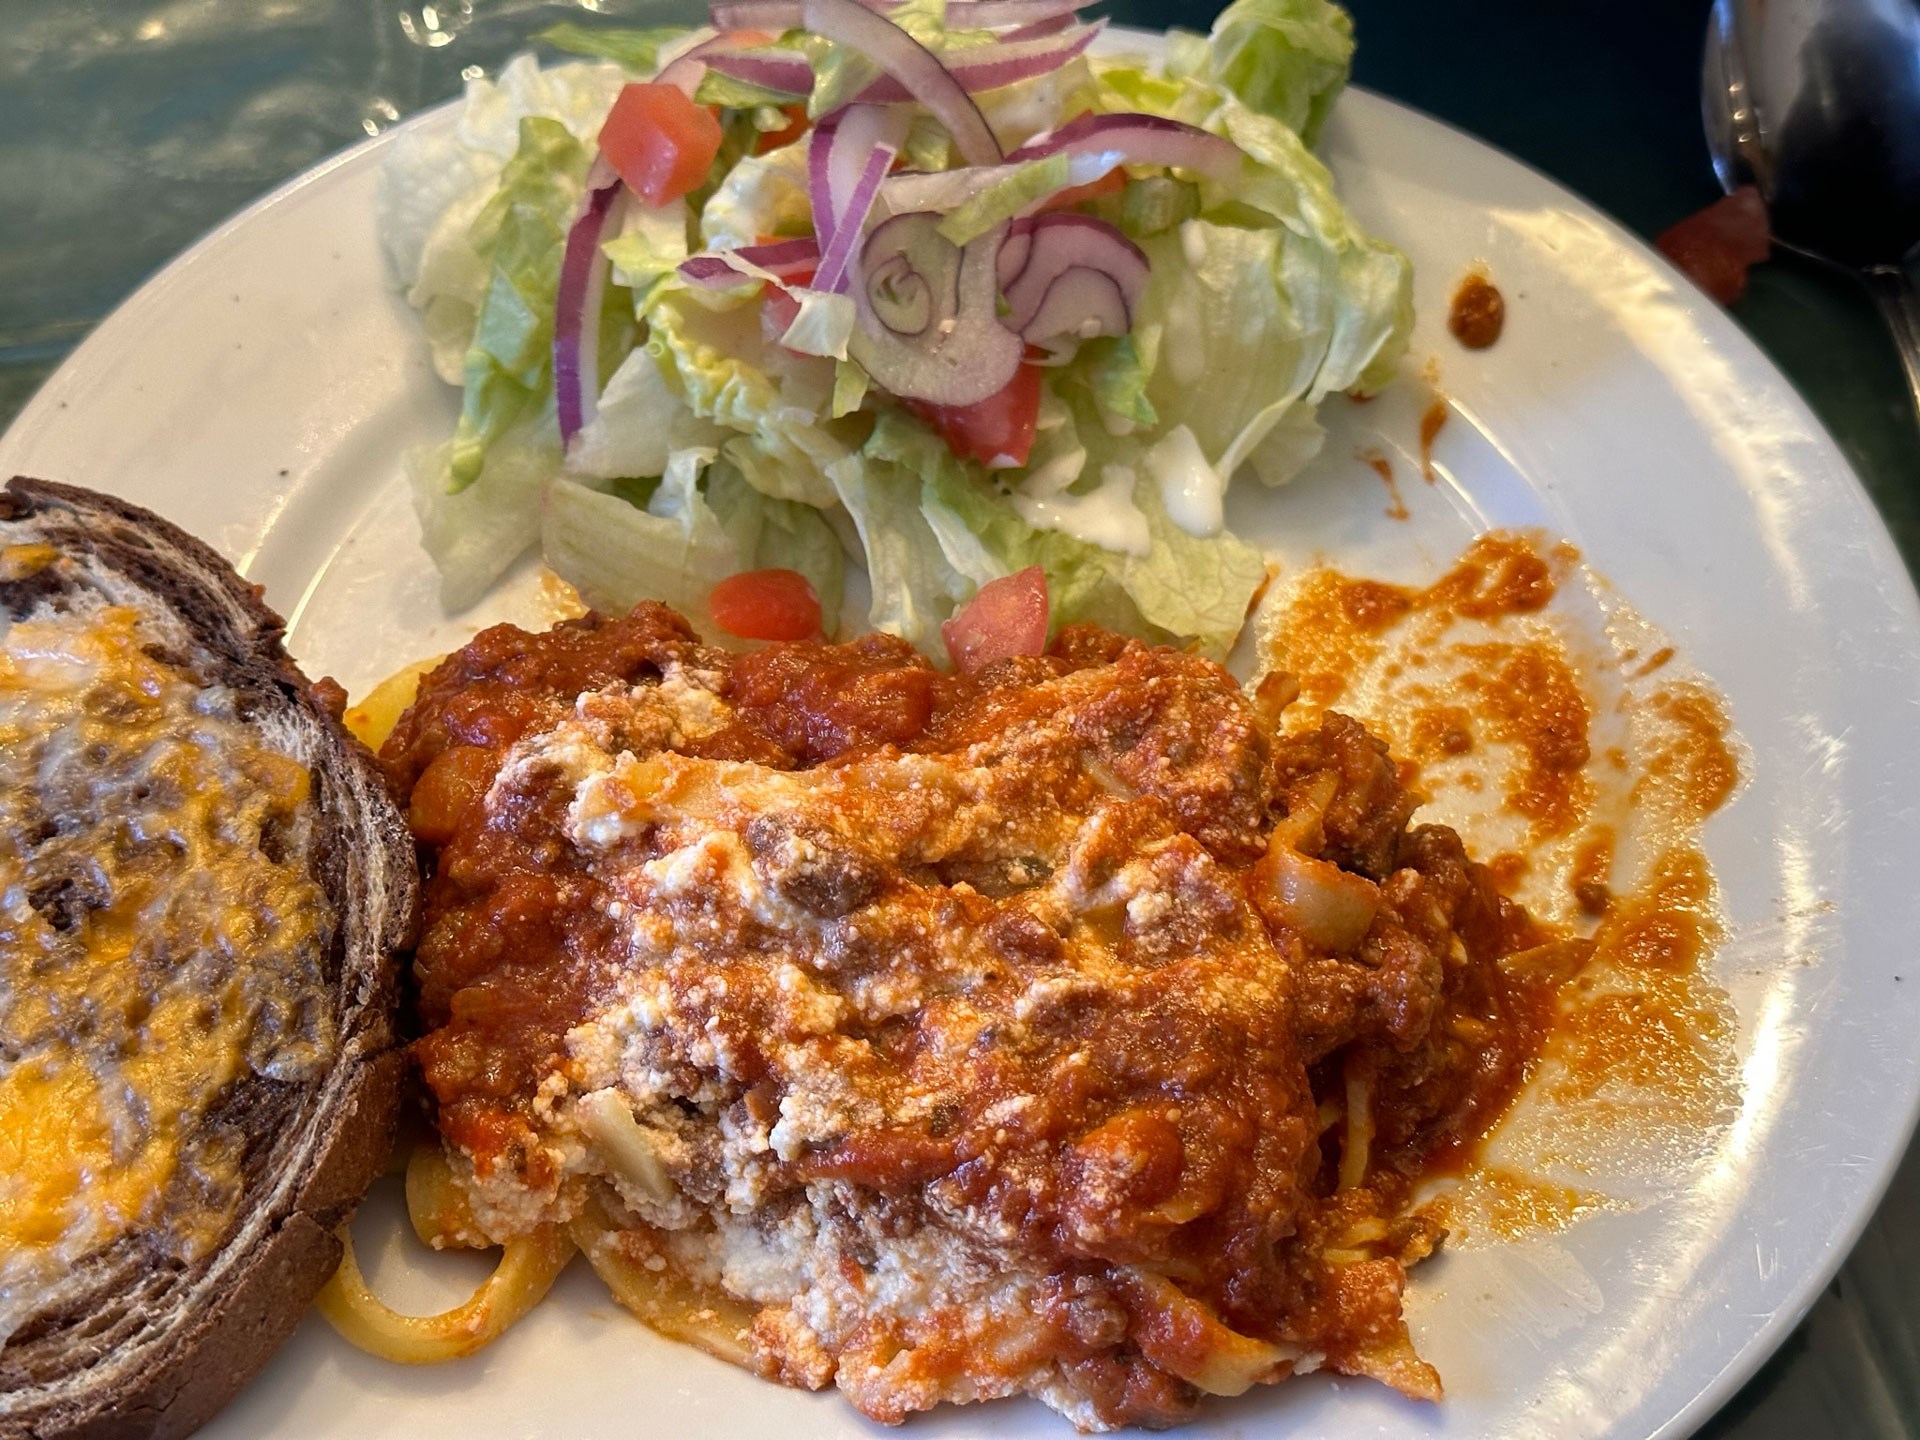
(766, 605)
(796, 126)
(1008, 617)
(1108, 184)
(778, 308)
(996, 431)
(1718, 245)
(659, 141)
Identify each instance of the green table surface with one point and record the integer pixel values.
(130, 127)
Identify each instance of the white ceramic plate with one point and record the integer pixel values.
(261, 390)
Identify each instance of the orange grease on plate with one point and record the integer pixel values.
(1334, 620)
(1383, 467)
(1431, 420)
(1655, 661)
(1529, 697)
(558, 600)
(1583, 775)
(1509, 1205)
(1694, 770)
(1593, 871)
(1644, 1021)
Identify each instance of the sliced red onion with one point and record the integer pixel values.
(775, 15)
(928, 310)
(786, 72)
(978, 68)
(1040, 29)
(785, 260)
(918, 71)
(684, 74)
(1079, 305)
(838, 257)
(998, 14)
(1139, 140)
(1044, 301)
(850, 154)
(686, 69)
(989, 67)
(576, 314)
(727, 15)
(820, 175)
(1013, 253)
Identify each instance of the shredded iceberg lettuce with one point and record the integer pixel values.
(722, 441)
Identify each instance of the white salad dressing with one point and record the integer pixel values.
(1181, 346)
(1057, 457)
(1105, 516)
(1193, 245)
(1191, 489)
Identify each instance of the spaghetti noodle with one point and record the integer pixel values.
(1065, 1030)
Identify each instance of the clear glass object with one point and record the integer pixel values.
(130, 127)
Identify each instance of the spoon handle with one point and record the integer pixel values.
(1899, 305)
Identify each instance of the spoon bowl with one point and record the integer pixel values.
(1816, 103)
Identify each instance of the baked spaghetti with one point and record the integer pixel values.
(1061, 1030)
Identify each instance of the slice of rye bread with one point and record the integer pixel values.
(134, 1342)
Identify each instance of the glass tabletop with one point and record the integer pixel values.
(129, 127)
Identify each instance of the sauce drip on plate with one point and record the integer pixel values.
(1478, 313)
(1567, 743)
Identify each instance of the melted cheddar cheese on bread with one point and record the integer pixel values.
(163, 936)
(202, 886)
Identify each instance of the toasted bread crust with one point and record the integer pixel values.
(141, 1345)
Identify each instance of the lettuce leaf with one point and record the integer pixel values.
(822, 326)
(718, 360)
(1184, 586)
(1268, 299)
(521, 233)
(1116, 371)
(616, 554)
(781, 534)
(1020, 187)
(1370, 297)
(435, 182)
(732, 93)
(1286, 58)
(914, 586)
(640, 422)
(473, 534)
(647, 252)
(635, 50)
(762, 195)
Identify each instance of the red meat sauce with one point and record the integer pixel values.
(1215, 1162)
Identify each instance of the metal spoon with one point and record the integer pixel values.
(1817, 104)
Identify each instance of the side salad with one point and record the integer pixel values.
(923, 287)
